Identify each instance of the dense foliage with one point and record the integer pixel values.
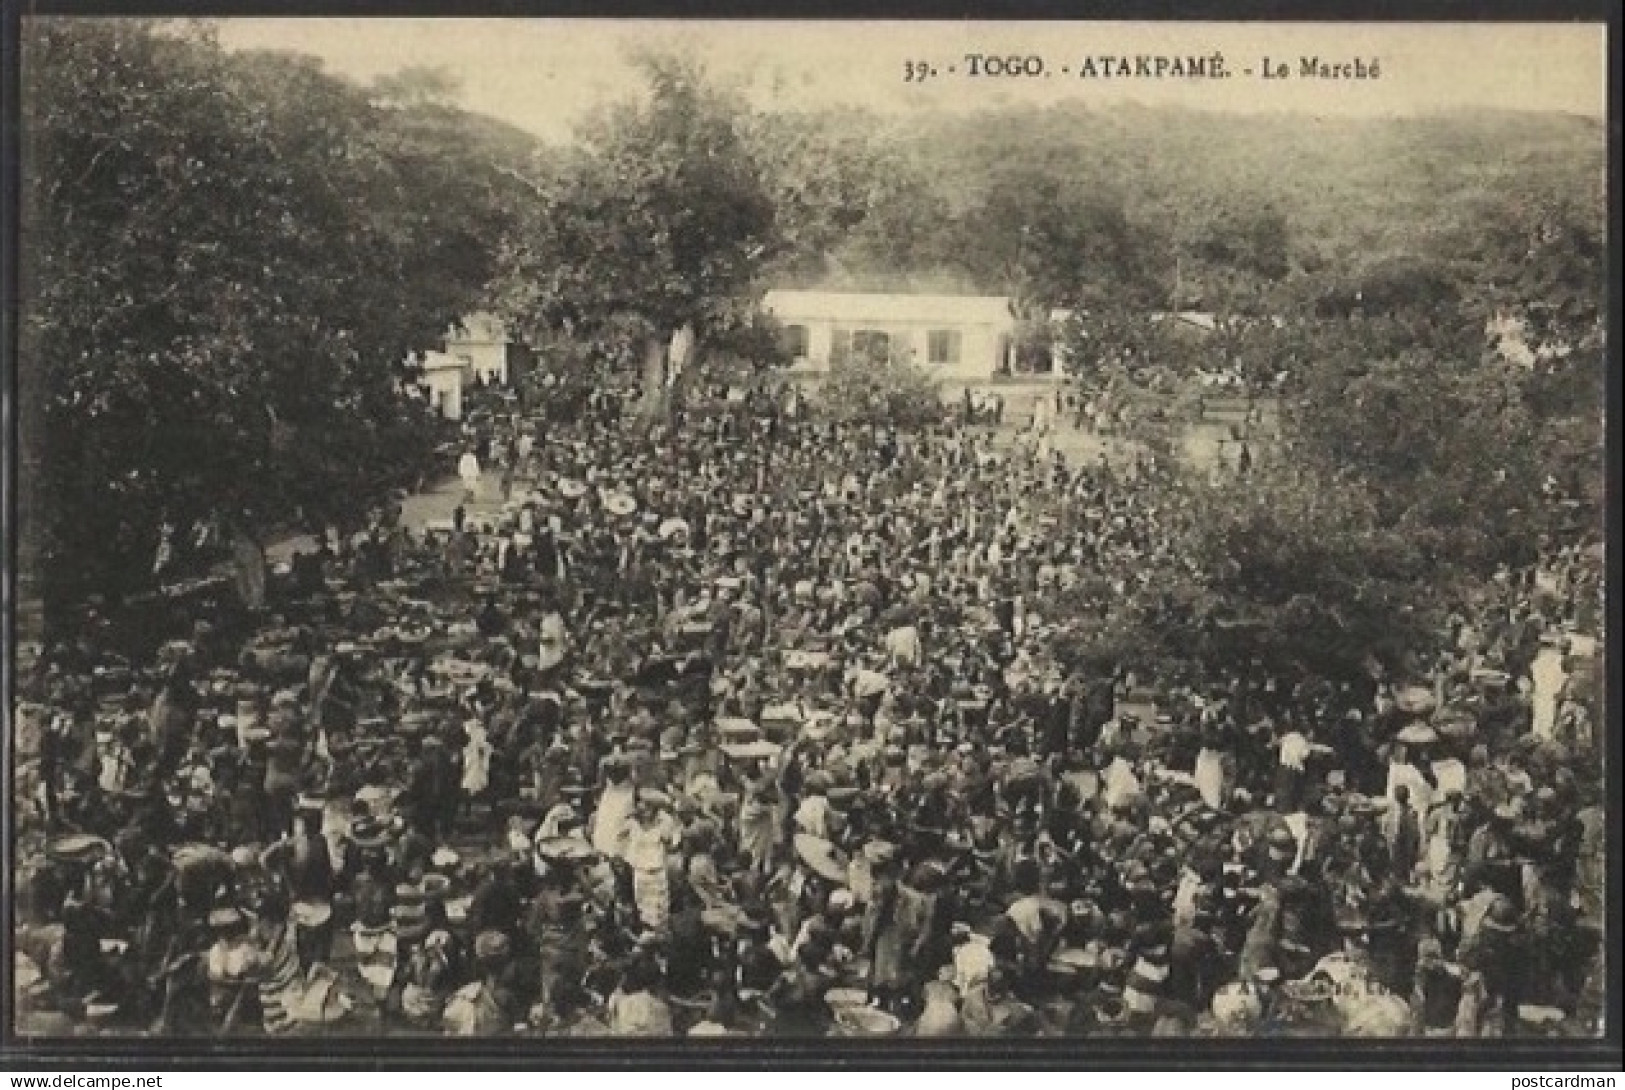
(883, 391)
(668, 216)
(654, 224)
(1228, 212)
(226, 259)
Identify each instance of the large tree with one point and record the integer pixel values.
(1434, 423)
(1297, 570)
(225, 261)
(1050, 244)
(1545, 283)
(826, 172)
(658, 222)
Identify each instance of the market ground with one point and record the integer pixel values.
(438, 502)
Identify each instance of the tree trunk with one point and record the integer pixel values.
(248, 562)
(680, 387)
(653, 402)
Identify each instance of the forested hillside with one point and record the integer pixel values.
(1248, 205)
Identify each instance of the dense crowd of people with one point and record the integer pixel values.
(754, 723)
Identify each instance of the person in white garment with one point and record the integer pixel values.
(1402, 772)
(1211, 775)
(650, 835)
(903, 644)
(1548, 676)
(468, 468)
(477, 755)
(1043, 409)
(812, 816)
(553, 644)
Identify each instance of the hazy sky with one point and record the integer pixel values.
(543, 75)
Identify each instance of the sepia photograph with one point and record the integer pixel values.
(534, 529)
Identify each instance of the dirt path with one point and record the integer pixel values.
(417, 511)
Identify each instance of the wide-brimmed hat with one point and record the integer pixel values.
(757, 750)
(1415, 700)
(879, 852)
(1352, 922)
(492, 947)
(1417, 734)
(1138, 881)
(78, 848)
(926, 877)
(821, 857)
(245, 858)
(226, 917)
(369, 832)
(1502, 916)
(725, 919)
(411, 921)
(564, 849)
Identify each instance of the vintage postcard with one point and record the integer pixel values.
(543, 530)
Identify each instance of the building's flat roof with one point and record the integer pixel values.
(1198, 318)
(443, 361)
(889, 307)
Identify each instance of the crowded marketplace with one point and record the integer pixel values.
(526, 532)
(772, 726)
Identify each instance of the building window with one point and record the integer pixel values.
(871, 345)
(795, 341)
(943, 346)
(840, 347)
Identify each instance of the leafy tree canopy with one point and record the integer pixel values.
(226, 259)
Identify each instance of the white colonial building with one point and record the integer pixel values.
(482, 341)
(961, 339)
(478, 350)
(442, 377)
